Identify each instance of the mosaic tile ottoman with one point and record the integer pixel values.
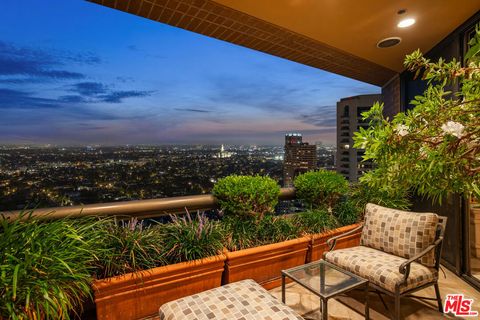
(242, 300)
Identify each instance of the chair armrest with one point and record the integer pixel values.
(333, 241)
(405, 267)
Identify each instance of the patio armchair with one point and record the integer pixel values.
(399, 252)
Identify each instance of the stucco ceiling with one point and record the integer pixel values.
(357, 26)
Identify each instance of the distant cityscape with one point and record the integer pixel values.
(50, 176)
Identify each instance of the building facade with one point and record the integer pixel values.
(349, 119)
(299, 157)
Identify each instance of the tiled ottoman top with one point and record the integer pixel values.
(243, 300)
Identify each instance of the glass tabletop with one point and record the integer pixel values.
(324, 278)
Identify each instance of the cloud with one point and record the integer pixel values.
(25, 67)
(89, 88)
(124, 79)
(132, 47)
(99, 92)
(324, 116)
(263, 94)
(89, 126)
(23, 107)
(72, 99)
(20, 80)
(193, 110)
(88, 58)
(118, 96)
(37, 63)
(50, 56)
(145, 53)
(17, 99)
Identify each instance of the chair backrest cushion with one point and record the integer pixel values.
(398, 232)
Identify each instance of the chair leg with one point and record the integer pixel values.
(439, 297)
(396, 315)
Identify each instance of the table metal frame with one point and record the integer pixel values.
(324, 298)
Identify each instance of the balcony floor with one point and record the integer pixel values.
(351, 306)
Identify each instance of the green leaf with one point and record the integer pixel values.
(473, 51)
(15, 282)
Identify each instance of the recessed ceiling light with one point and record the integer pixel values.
(406, 23)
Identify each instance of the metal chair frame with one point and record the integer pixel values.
(404, 268)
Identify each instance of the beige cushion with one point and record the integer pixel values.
(381, 268)
(401, 233)
(245, 300)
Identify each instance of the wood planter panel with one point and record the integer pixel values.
(265, 263)
(319, 241)
(134, 296)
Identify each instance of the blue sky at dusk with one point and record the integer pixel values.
(73, 72)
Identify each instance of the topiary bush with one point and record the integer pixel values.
(320, 188)
(247, 197)
(314, 221)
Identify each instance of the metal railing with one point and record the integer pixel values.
(136, 208)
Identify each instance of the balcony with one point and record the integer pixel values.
(314, 34)
(303, 302)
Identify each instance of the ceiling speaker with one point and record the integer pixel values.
(389, 42)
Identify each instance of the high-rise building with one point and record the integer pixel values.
(349, 120)
(299, 157)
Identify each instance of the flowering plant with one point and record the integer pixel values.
(189, 238)
(433, 149)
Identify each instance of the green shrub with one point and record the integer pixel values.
(361, 194)
(247, 196)
(432, 149)
(347, 212)
(129, 246)
(244, 234)
(320, 188)
(188, 239)
(314, 221)
(239, 233)
(46, 267)
(273, 229)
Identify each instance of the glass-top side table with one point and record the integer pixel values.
(326, 281)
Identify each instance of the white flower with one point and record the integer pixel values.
(453, 128)
(401, 129)
(423, 152)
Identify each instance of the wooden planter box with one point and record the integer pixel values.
(138, 295)
(265, 263)
(319, 241)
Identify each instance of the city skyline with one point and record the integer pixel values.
(75, 73)
(53, 177)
